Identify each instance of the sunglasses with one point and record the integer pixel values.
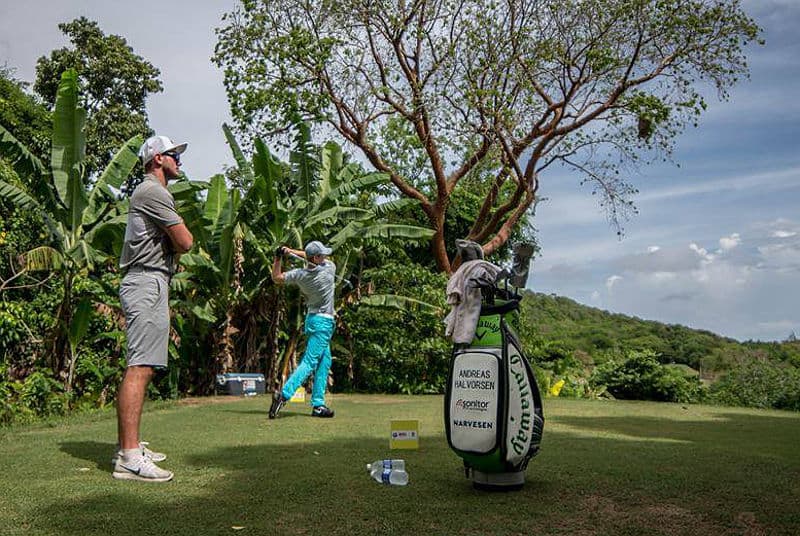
(174, 156)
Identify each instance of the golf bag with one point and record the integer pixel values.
(493, 409)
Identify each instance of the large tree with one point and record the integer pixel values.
(114, 85)
(437, 91)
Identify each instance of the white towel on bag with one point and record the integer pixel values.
(464, 297)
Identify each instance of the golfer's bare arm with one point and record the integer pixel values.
(277, 272)
(277, 269)
(180, 236)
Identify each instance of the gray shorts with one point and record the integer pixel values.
(145, 301)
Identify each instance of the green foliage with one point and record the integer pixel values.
(114, 84)
(82, 223)
(22, 114)
(639, 376)
(395, 349)
(39, 395)
(229, 314)
(43, 395)
(554, 320)
(759, 384)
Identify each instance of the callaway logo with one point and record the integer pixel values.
(486, 326)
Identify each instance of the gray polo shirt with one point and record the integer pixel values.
(317, 285)
(151, 211)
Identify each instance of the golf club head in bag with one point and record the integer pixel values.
(521, 263)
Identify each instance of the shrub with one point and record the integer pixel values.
(394, 350)
(43, 395)
(39, 395)
(759, 384)
(97, 377)
(640, 376)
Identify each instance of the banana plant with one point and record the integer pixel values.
(318, 195)
(85, 225)
(226, 284)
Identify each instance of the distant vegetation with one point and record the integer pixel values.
(598, 353)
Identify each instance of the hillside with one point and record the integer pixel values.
(554, 324)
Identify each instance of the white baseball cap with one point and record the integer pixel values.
(159, 145)
(317, 248)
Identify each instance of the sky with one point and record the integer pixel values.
(716, 242)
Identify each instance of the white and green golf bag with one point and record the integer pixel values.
(493, 408)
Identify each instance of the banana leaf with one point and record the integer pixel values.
(394, 301)
(69, 148)
(43, 259)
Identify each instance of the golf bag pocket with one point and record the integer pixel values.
(473, 403)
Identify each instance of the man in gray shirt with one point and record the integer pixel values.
(154, 237)
(317, 283)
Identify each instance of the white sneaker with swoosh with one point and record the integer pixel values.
(155, 456)
(141, 468)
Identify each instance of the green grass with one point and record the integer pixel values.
(605, 468)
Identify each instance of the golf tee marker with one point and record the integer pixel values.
(299, 395)
(404, 434)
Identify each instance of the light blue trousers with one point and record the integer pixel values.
(316, 359)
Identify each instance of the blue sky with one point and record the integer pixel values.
(716, 243)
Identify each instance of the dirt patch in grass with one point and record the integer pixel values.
(208, 400)
(661, 518)
(747, 520)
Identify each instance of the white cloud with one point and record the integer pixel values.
(729, 242)
(611, 281)
(653, 249)
(781, 256)
(663, 276)
(705, 256)
(783, 234)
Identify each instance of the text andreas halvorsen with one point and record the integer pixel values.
(474, 379)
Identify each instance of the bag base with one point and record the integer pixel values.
(511, 481)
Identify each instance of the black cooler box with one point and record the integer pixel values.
(237, 383)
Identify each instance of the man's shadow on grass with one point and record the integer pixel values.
(96, 452)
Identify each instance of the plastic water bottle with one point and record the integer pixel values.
(389, 472)
(387, 464)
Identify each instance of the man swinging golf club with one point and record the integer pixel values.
(316, 281)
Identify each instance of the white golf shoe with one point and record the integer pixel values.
(140, 468)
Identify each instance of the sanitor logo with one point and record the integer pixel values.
(472, 405)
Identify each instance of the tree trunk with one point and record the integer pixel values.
(71, 368)
(288, 360)
(438, 247)
(61, 359)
